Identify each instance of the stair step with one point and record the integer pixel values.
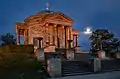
(77, 71)
(71, 68)
(74, 68)
(73, 74)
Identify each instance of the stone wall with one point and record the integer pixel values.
(108, 65)
(82, 57)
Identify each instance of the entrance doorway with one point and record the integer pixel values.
(38, 42)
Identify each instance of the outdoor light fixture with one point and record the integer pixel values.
(87, 31)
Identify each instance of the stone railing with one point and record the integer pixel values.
(54, 67)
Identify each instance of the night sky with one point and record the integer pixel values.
(96, 13)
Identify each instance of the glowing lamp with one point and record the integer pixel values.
(87, 30)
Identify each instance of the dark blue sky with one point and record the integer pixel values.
(97, 13)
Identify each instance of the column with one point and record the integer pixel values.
(51, 34)
(73, 41)
(55, 35)
(67, 36)
(24, 36)
(27, 37)
(70, 33)
(63, 36)
(47, 33)
(18, 37)
(76, 40)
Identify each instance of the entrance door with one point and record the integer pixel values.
(37, 42)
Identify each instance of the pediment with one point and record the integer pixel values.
(60, 17)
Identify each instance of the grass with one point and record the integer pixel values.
(21, 66)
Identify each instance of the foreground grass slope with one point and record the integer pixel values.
(14, 65)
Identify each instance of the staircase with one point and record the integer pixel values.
(71, 68)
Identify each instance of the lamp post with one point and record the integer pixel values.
(87, 31)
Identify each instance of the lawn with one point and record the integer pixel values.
(21, 66)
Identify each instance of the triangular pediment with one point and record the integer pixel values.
(60, 17)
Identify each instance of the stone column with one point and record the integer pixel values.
(70, 33)
(18, 37)
(67, 36)
(27, 37)
(55, 35)
(47, 33)
(63, 36)
(51, 35)
(73, 44)
(76, 40)
(24, 36)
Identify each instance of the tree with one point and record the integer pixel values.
(102, 39)
(7, 39)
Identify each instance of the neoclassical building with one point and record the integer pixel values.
(48, 28)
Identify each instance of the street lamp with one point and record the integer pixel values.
(87, 31)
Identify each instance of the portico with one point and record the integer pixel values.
(48, 29)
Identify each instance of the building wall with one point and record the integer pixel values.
(55, 30)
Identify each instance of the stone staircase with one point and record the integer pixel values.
(71, 68)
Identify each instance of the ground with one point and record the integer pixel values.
(108, 75)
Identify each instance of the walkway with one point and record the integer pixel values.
(108, 75)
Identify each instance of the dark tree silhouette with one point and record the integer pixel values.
(107, 39)
(7, 39)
